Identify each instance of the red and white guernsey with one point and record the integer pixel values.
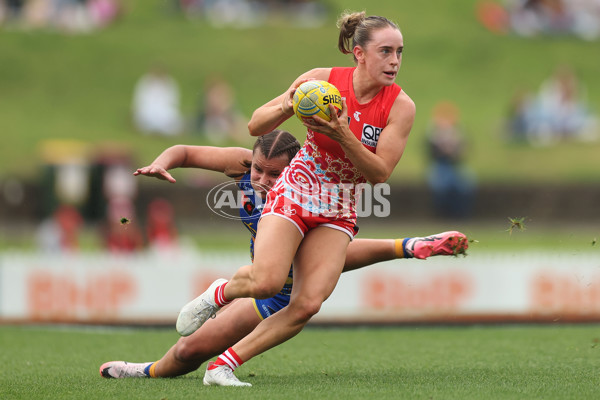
(321, 179)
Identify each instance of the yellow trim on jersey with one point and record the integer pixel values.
(250, 228)
(256, 309)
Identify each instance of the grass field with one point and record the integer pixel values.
(487, 236)
(80, 87)
(411, 362)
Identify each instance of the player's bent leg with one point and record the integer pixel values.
(198, 311)
(234, 322)
(445, 243)
(317, 268)
(270, 332)
(277, 240)
(364, 252)
(263, 279)
(189, 353)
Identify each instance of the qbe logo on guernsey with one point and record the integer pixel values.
(370, 135)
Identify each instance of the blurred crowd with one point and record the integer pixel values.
(70, 16)
(96, 187)
(542, 17)
(82, 16)
(451, 182)
(250, 13)
(156, 109)
(558, 111)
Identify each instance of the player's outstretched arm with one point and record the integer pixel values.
(228, 160)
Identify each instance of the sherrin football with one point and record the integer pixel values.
(313, 98)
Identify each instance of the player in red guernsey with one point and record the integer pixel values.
(310, 215)
(328, 163)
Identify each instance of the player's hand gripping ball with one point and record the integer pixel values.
(313, 98)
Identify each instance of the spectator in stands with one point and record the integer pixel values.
(252, 13)
(558, 112)
(104, 12)
(542, 17)
(219, 117)
(563, 105)
(11, 10)
(160, 225)
(521, 116)
(61, 231)
(156, 103)
(121, 232)
(69, 16)
(451, 183)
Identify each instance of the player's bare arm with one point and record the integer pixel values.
(227, 160)
(376, 167)
(272, 114)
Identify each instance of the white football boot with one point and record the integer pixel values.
(123, 369)
(198, 311)
(222, 376)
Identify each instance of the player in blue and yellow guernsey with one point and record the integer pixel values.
(255, 172)
(250, 214)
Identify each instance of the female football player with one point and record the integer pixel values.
(310, 212)
(255, 172)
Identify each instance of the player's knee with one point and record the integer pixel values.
(304, 310)
(186, 353)
(266, 288)
(265, 285)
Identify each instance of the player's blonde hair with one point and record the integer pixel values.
(356, 28)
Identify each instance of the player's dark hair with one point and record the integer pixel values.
(273, 145)
(356, 28)
(276, 143)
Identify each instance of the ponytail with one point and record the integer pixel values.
(356, 28)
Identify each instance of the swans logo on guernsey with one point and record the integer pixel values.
(370, 135)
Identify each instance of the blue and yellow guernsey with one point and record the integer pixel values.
(250, 212)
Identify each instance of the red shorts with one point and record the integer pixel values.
(277, 204)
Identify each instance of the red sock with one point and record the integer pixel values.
(220, 295)
(228, 358)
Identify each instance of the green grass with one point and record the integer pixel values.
(470, 362)
(80, 87)
(492, 236)
(485, 238)
(488, 236)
